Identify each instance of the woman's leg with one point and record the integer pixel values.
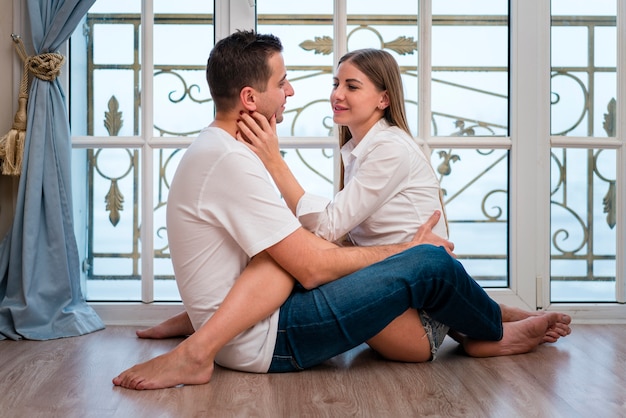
(404, 339)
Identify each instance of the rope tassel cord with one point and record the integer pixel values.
(46, 67)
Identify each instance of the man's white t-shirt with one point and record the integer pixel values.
(222, 210)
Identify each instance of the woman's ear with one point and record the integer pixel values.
(247, 96)
(384, 101)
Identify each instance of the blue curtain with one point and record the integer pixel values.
(40, 296)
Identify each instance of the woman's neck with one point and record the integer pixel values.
(359, 132)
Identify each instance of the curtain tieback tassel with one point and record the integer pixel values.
(46, 67)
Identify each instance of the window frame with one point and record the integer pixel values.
(529, 142)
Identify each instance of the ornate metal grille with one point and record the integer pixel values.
(583, 180)
(105, 175)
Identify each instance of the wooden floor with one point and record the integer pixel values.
(583, 375)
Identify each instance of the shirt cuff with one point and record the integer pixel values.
(310, 203)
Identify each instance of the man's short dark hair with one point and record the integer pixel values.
(237, 61)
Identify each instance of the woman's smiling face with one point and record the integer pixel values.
(355, 100)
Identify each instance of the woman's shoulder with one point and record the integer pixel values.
(390, 147)
(395, 138)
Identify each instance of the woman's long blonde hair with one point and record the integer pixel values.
(381, 68)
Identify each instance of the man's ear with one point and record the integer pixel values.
(248, 98)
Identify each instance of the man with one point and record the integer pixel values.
(234, 244)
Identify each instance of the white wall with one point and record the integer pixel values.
(8, 104)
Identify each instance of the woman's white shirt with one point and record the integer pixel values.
(390, 190)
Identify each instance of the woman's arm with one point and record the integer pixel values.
(259, 134)
(380, 173)
(380, 176)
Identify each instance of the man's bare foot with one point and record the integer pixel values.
(181, 366)
(176, 326)
(521, 336)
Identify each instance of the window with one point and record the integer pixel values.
(526, 179)
(583, 156)
(135, 129)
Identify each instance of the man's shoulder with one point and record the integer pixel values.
(210, 137)
(215, 144)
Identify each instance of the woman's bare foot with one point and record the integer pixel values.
(181, 366)
(512, 313)
(522, 336)
(560, 329)
(176, 326)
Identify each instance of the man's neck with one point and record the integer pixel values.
(226, 122)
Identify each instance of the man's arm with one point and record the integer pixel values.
(314, 261)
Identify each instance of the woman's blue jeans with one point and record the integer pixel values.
(315, 325)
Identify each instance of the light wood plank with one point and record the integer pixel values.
(582, 375)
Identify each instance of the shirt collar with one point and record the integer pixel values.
(355, 151)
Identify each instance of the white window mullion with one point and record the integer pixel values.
(541, 244)
(424, 68)
(530, 152)
(340, 35)
(232, 15)
(147, 181)
(340, 30)
(620, 178)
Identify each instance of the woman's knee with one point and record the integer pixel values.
(404, 339)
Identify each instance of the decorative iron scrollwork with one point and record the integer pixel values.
(609, 118)
(113, 117)
(403, 45)
(445, 168)
(320, 45)
(114, 200)
(609, 205)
